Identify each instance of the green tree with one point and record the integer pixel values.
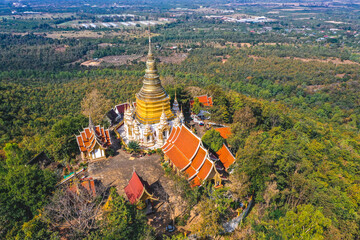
(196, 106)
(23, 190)
(123, 221)
(36, 229)
(61, 141)
(213, 140)
(133, 146)
(306, 222)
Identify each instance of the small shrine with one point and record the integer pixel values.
(137, 190)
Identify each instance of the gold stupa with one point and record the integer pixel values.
(152, 99)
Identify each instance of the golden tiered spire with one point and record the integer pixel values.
(152, 98)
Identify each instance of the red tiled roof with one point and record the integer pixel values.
(225, 156)
(121, 107)
(135, 188)
(225, 132)
(88, 139)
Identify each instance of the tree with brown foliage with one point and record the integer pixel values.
(96, 105)
(75, 208)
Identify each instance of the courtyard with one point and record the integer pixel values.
(117, 170)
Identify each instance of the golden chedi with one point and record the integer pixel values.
(152, 99)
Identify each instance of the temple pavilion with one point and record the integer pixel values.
(137, 190)
(93, 141)
(187, 155)
(150, 119)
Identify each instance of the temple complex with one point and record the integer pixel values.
(93, 141)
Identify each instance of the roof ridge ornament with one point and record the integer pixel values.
(91, 124)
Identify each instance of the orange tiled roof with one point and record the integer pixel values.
(177, 157)
(89, 137)
(185, 151)
(190, 172)
(199, 158)
(196, 182)
(87, 183)
(188, 142)
(205, 169)
(204, 100)
(225, 156)
(172, 136)
(225, 132)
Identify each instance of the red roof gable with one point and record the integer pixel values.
(225, 132)
(225, 156)
(134, 189)
(121, 107)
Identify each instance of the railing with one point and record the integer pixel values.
(70, 176)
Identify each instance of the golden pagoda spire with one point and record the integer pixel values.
(152, 98)
(150, 51)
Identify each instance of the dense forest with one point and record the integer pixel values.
(290, 99)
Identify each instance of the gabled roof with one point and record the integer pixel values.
(188, 142)
(204, 100)
(41, 159)
(135, 188)
(185, 151)
(112, 115)
(120, 109)
(225, 156)
(225, 132)
(88, 138)
(87, 183)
